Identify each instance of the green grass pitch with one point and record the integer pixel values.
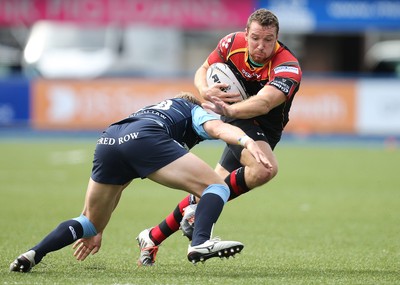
(331, 216)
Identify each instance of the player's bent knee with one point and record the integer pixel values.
(262, 175)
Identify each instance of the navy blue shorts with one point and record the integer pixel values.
(132, 150)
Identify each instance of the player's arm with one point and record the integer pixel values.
(200, 81)
(233, 135)
(266, 99)
(217, 129)
(207, 92)
(208, 126)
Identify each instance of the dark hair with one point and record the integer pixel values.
(189, 97)
(265, 18)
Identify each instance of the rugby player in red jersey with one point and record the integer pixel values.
(271, 75)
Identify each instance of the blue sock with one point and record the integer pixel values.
(208, 211)
(66, 233)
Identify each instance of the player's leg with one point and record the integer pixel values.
(249, 174)
(170, 224)
(240, 176)
(194, 176)
(100, 201)
(156, 235)
(150, 239)
(197, 178)
(96, 201)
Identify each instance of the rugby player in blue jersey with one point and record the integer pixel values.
(151, 143)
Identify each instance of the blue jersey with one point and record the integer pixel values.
(183, 120)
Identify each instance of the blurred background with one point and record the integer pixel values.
(76, 65)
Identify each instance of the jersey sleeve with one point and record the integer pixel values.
(199, 117)
(220, 53)
(286, 77)
(287, 85)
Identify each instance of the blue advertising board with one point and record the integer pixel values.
(14, 101)
(335, 15)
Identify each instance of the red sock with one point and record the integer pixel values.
(237, 184)
(171, 223)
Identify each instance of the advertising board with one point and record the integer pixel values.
(324, 106)
(14, 102)
(94, 104)
(378, 107)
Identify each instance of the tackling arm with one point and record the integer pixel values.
(233, 135)
(200, 80)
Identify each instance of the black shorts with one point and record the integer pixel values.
(131, 150)
(230, 158)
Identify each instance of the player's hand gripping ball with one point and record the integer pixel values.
(221, 73)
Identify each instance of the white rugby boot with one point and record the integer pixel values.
(187, 223)
(148, 250)
(213, 248)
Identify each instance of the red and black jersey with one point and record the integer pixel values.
(282, 71)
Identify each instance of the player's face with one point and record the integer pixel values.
(261, 42)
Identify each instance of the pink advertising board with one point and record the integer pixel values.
(179, 13)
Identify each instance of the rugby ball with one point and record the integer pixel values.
(221, 73)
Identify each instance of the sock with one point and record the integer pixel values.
(207, 214)
(172, 222)
(236, 182)
(66, 233)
